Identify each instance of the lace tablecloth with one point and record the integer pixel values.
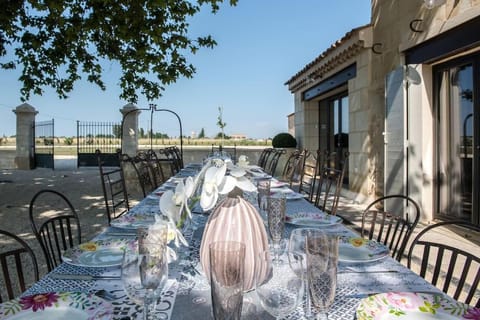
(187, 294)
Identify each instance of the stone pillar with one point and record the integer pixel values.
(130, 114)
(24, 158)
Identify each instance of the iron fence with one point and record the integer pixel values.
(104, 136)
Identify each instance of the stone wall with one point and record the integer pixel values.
(7, 158)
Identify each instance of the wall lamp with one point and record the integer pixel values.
(430, 4)
(415, 25)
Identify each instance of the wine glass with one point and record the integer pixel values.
(298, 257)
(277, 286)
(322, 261)
(143, 272)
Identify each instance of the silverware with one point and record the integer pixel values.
(104, 294)
(121, 234)
(368, 271)
(67, 276)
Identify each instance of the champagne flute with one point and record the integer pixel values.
(144, 272)
(276, 221)
(322, 262)
(277, 286)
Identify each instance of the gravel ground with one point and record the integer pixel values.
(81, 186)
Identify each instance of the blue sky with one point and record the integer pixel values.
(261, 44)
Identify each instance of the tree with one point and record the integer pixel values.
(201, 135)
(59, 42)
(220, 123)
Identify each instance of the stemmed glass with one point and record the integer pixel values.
(276, 220)
(322, 261)
(144, 271)
(277, 286)
(263, 188)
(298, 257)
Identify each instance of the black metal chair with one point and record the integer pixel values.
(271, 166)
(55, 224)
(16, 256)
(176, 157)
(155, 167)
(308, 179)
(263, 159)
(292, 171)
(114, 190)
(330, 182)
(391, 220)
(446, 262)
(140, 165)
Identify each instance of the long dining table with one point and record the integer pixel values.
(186, 294)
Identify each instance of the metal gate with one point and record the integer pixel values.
(104, 136)
(43, 144)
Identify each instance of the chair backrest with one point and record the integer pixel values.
(19, 266)
(142, 170)
(176, 156)
(329, 185)
(308, 177)
(55, 224)
(114, 190)
(155, 167)
(271, 166)
(293, 169)
(391, 220)
(453, 265)
(263, 159)
(165, 157)
(172, 157)
(225, 152)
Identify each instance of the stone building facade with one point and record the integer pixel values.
(401, 95)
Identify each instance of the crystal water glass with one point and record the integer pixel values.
(263, 188)
(227, 264)
(145, 271)
(278, 288)
(276, 218)
(322, 262)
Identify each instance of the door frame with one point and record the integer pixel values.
(474, 60)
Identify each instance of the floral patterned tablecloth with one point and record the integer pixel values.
(187, 294)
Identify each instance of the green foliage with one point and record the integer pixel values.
(59, 42)
(201, 135)
(68, 141)
(284, 140)
(220, 123)
(221, 135)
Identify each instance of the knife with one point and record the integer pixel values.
(67, 276)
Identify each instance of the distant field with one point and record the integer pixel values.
(68, 146)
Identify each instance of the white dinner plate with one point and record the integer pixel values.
(133, 221)
(309, 219)
(56, 306)
(412, 306)
(100, 253)
(288, 193)
(278, 184)
(356, 249)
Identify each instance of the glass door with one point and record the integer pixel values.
(457, 135)
(339, 129)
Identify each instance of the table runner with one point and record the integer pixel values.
(187, 294)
